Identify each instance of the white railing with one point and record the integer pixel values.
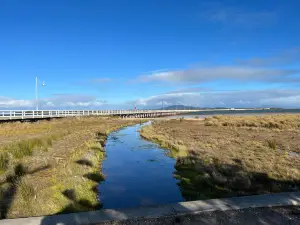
(31, 114)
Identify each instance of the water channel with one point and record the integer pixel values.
(137, 172)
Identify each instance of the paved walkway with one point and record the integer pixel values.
(289, 215)
(238, 210)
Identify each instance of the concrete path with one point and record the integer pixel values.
(282, 215)
(176, 210)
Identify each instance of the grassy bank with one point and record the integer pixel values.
(52, 167)
(225, 156)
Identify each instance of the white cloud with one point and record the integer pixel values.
(60, 101)
(198, 75)
(247, 98)
(6, 102)
(208, 98)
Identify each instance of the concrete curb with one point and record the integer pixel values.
(181, 208)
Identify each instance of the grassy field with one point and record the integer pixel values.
(225, 156)
(51, 167)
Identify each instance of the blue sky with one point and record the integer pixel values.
(117, 54)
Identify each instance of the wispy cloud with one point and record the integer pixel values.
(198, 75)
(242, 98)
(188, 90)
(236, 16)
(286, 58)
(95, 81)
(100, 80)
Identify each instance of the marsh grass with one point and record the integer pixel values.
(96, 146)
(177, 148)
(203, 180)
(269, 122)
(4, 161)
(26, 191)
(73, 148)
(228, 156)
(26, 147)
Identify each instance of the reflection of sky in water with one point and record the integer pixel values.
(137, 172)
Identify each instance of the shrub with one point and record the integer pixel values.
(208, 123)
(272, 144)
(26, 191)
(22, 148)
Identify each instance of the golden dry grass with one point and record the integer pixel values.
(230, 155)
(52, 167)
(285, 122)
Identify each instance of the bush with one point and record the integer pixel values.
(272, 144)
(22, 148)
(208, 123)
(26, 191)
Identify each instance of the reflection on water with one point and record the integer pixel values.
(137, 172)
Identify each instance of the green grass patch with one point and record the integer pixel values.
(24, 148)
(26, 191)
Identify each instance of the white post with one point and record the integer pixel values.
(36, 93)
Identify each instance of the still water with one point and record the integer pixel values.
(137, 172)
(202, 114)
